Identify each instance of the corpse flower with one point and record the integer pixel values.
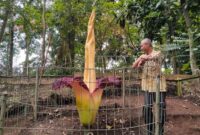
(88, 91)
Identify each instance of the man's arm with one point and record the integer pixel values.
(135, 64)
(153, 56)
(139, 61)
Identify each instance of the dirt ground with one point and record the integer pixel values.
(183, 118)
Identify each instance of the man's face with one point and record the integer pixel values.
(144, 46)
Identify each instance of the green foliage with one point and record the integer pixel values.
(185, 67)
(168, 71)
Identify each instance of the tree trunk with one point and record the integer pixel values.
(65, 54)
(7, 58)
(174, 63)
(48, 46)
(43, 33)
(193, 63)
(26, 64)
(5, 20)
(71, 40)
(173, 52)
(11, 50)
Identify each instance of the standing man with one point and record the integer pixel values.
(151, 62)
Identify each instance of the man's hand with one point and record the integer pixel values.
(144, 57)
(140, 61)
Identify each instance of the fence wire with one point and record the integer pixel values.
(39, 110)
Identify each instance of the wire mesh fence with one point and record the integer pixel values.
(34, 108)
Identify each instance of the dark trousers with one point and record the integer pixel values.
(149, 99)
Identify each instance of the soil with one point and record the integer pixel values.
(183, 118)
(57, 115)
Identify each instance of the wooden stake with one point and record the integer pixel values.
(3, 111)
(36, 94)
(123, 87)
(157, 108)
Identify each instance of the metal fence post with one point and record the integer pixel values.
(3, 111)
(123, 87)
(157, 108)
(36, 94)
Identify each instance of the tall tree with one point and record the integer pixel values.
(66, 16)
(27, 45)
(11, 41)
(5, 18)
(11, 49)
(188, 22)
(43, 33)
